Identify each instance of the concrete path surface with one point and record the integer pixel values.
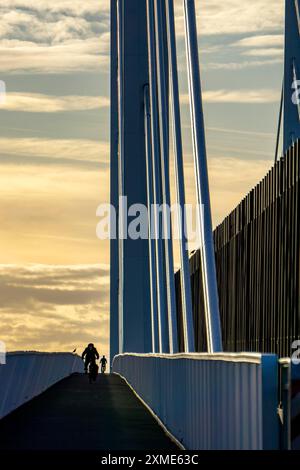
(74, 415)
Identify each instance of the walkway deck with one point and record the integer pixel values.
(74, 415)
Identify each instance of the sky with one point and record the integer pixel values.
(54, 149)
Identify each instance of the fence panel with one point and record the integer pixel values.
(221, 401)
(26, 375)
(257, 249)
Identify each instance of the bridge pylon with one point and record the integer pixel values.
(291, 89)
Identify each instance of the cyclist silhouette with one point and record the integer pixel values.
(89, 355)
(103, 361)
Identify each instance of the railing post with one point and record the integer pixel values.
(270, 418)
(285, 395)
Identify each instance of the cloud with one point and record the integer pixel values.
(66, 36)
(68, 277)
(54, 37)
(48, 210)
(268, 45)
(234, 17)
(46, 22)
(54, 151)
(237, 96)
(54, 307)
(40, 103)
(266, 40)
(78, 18)
(271, 51)
(240, 132)
(58, 285)
(241, 65)
(77, 55)
(73, 7)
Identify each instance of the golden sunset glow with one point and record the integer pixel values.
(54, 150)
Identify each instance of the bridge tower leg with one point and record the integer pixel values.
(142, 48)
(292, 74)
(130, 329)
(114, 192)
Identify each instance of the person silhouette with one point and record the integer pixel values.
(103, 362)
(89, 355)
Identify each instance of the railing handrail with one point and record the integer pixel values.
(252, 358)
(40, 353)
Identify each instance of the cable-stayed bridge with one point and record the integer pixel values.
(203, 350)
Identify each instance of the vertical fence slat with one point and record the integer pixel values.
(257, 249)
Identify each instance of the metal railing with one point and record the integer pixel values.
(257, 249)
(27, 374)
(219, 401)
(289, 403)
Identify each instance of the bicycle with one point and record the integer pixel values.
(93, 371)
